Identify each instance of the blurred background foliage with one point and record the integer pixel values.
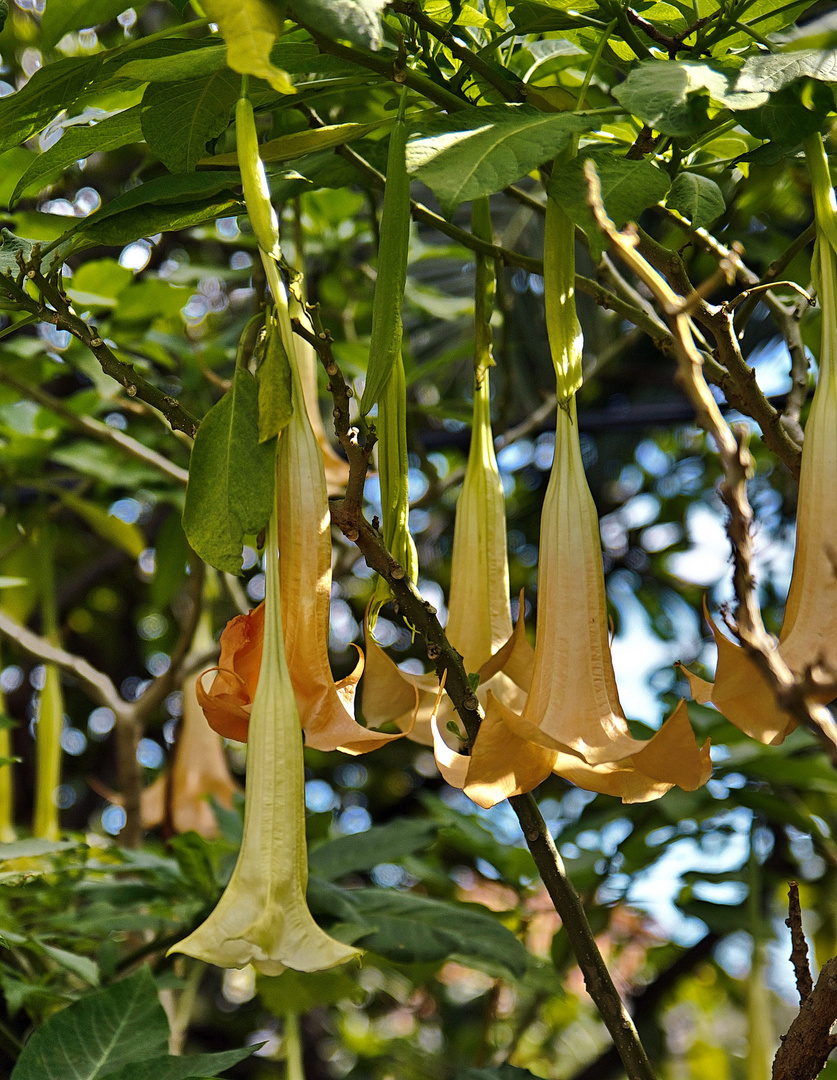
(687, 893)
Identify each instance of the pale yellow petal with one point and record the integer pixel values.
(479, 619)
(742, 694)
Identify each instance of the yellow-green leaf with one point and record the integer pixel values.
(250, 28)
(117, 532)
(300, 143)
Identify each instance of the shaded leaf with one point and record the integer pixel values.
(195, 60)
(231, 478)
(628, 188)
(381, 844)
(697, 198)
(121, 534)
(482, 150)
(51, 89)
(274, 378)
(179, 118)
(78, 142)
(357, 21)
(774, 71)
(192, 1067)
(100, 1033)
(63, 16)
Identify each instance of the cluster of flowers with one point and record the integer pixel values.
(553, 708)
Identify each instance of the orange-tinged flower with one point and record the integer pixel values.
(809, 630)
(199, 770)
(572, 721)
(326, 708)
(262, 917)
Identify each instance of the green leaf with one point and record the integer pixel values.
(791, 114)
(192, 1067)
(82, 966)
(119, 533)
(32, 849)
(63, 16)
(231, 478)
(774, 71)
(531, 17)
(98, 1034)
(356, 21)
(301, 991)
(179, 118)
(273, 375)
(250, 28)
(628, 188)
(4, 13)
(78, 142)
(674, 97)
(381, 844)
(52, 88)
(497, 1072)
(194, 61)
(483, 150)
(697, 198)
(10, 245)
(145, 221)
(410, 928)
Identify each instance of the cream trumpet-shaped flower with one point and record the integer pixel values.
(262, 917)
(572, 722)
(479, 619)
(809, 629)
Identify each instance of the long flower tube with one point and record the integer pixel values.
(572, 722)
(262, 917)
(808, 636)
(326, 708)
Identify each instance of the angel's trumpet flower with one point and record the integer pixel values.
(262, 917)
(336, 469)
(808, 638)
(572, 722)
(479, 619)
(326, 708)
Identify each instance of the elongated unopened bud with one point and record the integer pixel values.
(260, 210)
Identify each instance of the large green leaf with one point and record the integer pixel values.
(774, 71)
(98, 1034)
(482, 150)
(78, 142)
(357, 21)
(195, 60)
(380, 844)
(231, 477)
(410, 928)
(192, 1067)
(179, 118)
(51, 89)
(628, 188)
(791, 114)
(696, 197)
(63, 16)
(674, 97)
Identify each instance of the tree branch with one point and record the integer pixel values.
(62, 316)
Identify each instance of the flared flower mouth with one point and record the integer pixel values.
(262, 917)
(808, 639)
(326, 707)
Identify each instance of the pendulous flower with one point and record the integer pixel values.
(262, 917)
(808, 638)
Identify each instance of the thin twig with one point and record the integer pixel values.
(61, 315)
(95, 429)
(799, 946)
(790, 692)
